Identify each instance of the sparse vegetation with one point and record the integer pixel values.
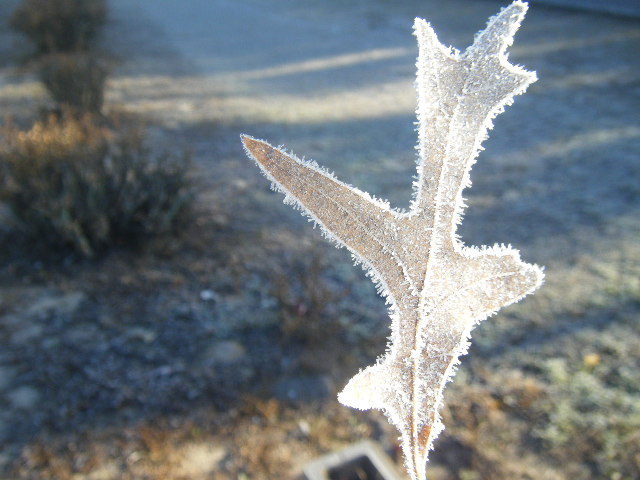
(75, 80)
(63, 32)
(60, 25)
(307, 298)
(81, 183)
(594, 424)
(78, 178)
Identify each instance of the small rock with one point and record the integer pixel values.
(200, 459)
(7, 374)
(183, 311)
(106, 471)
(24, 398)
(208, 296)
(304, 427)
(225, 352)
(27, 332)
(51, 343)
(305, 388)
(139, 333)
(59, 304)
(82, 334)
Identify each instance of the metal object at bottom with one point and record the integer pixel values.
(362, 461)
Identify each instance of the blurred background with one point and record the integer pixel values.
(164, 316)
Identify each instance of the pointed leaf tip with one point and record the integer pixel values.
(259, 151)
(249, 142)
(364, 390)
(499, 32)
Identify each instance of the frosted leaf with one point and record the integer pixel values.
(437, 288)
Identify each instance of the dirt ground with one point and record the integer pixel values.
(217, 353)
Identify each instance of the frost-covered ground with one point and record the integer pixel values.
(551, 386)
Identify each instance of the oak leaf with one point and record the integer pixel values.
(437, 288)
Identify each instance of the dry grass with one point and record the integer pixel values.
(78, 182)
(307, 295)
(262, 439)
(75, 80)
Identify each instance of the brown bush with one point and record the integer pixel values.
(75, 80)
(59, 25)
(78, 182)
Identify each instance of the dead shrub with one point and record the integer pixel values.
(59, 25)
(79, 182)
(75, 80)
(307, 297)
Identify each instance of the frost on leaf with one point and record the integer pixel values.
(438, 289)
